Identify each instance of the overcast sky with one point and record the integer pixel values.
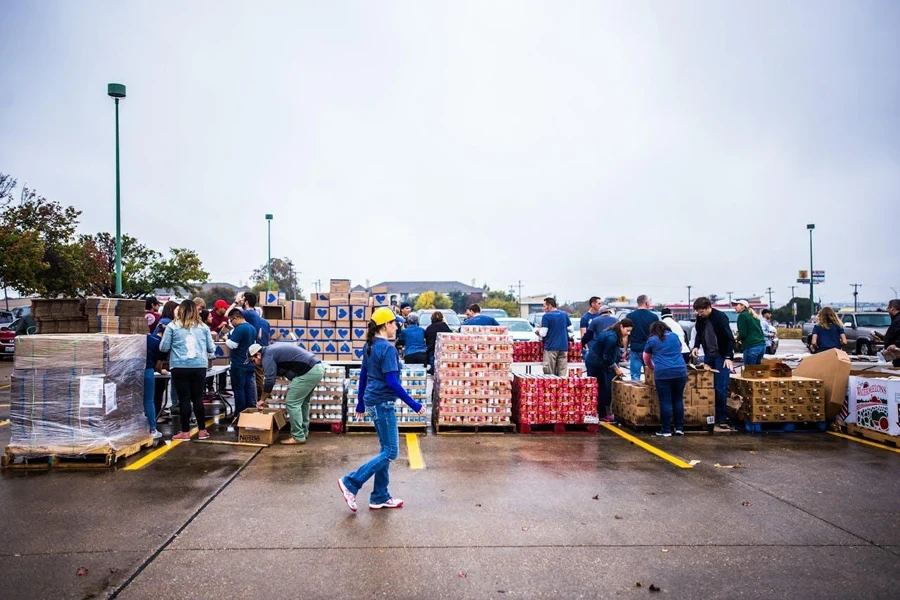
(584, 148)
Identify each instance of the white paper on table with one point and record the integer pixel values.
(109, 390)
(90, 392)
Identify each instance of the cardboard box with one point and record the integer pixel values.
(314, 331)
(319, 313)
(314, 346)
(260, 425)
(361, 313)
(359, 298)
(701, 376)
(77, 351)
(380, 299)
(340, 286)
(339, 299)
(358, 351)
(873, 403)
(344, 348)
(345, 357)
(379, 289)
(328, 331)
(343, 330)
(833, 368)
(339, 313)
(358, 332)
(222, 351)
(270, 298)
(273, 313)
(303, 345)
(299, 310)
(329, 347)
(330, 358)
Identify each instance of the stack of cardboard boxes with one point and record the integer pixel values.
(633, 401)
(91, 315)
(637, 403)
(771, 394)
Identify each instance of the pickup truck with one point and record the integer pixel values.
(858, 326)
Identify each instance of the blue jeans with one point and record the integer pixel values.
(754, 355)
(636, 363)
(386, 427)
(243, 386)
(720, 382)
(671, 398)
(149, 406)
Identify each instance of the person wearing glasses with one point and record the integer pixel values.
(243, 372)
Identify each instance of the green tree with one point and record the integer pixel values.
(458, 301)
(501, 299)
(424, 300)
(442, 302)
(144, 269)
(785, 313)
(284, 278)
(217, 292)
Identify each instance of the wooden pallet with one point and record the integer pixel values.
(780, 427)
(558, 428)
(873, 436)
(330, 426)
(101, 458)
(652, 428)
(402, 427)
(468, 429)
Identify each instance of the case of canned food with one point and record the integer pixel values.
(414, 381)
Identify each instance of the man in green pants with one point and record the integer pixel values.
(304, 371)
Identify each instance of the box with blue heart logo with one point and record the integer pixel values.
(320, 313)
(314, 330)
(381, 299)
(340, 313)
(361, 314)
(328, 330)
(358, 332)
(342, 330)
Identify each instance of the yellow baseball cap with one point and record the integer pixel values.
(383, 315)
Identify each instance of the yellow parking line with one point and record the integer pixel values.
(651, 449)
(3, 387)
(2, 423)
(414, 452)
(4, 405)
(146, 460)
(866, 442)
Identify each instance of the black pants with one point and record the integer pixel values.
(158, 392)
(419, 358)
(188, 384)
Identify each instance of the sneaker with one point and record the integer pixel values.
(349, 498)
(203, 435)
(661, 434)
(155, 434)
(724, 427)
(679, 432)
(608, 419)
(183, 436)
(391, 503)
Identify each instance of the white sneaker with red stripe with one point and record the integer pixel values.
(349, 497)
(391, 503)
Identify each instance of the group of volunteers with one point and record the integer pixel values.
(659, 343)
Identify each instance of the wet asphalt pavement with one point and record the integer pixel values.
(491, 516)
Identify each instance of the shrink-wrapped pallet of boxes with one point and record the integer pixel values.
(77, 395)
(413, 379)
(540, 400)
(473, 381)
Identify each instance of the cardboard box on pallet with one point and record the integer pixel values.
(833, 368)
(339, 313)
(260, 425)
(319, 313)
(314, 330)
(873, 403)
(274, 312)
(359, 298)
(380, 299)
(356, 349)
(361, 313)
(328, 330)
(270, 298)
(340, 286)
(358, 332)
(342, 330)
(339, 299)
(299, 327)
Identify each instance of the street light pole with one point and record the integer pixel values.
(269, 262)
(812, 302)
(116, 91)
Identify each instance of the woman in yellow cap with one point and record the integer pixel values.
(379, 386)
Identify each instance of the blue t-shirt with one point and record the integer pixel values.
(586, 319)
(643, 318)
(601, 323)
(153, 352)
(245, 336)
(383, 359)
(265, 331)
(557, 323)
(252, 317)
(828, 338)
(667, 360)
(483, 320)
(413, 340)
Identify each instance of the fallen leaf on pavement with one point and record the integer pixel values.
(478, 505)
(639, 584)
(653, 588)
(665, 549)
(597, 497)
(81, 571)
(745, 503)
(618, 516)
(114, 569)
(462, 574)
(734, 466)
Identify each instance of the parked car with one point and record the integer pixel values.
(6, 318)
(7, 343)
(497, 313)
(519, 330)
(859, 328)
(450, 318)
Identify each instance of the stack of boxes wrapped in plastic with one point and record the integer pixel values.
(544, 399)
(534, 352)
(77, 394)
(89, 315)
(413, 379)
(472, 377)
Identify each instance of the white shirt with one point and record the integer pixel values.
(675, 328)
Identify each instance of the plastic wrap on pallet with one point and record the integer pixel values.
(77, 394)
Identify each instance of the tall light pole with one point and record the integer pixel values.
(116, 91)
(812, 302)
(269, 262)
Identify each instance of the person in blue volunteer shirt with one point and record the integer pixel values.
(154, 355)
(412, 340)
(642, 318)
(379, 386)
(476, 318)
(602, 362)
(243, 381)
(828, 332)
(599, 323)
(555, 329)
(662, 354)
(589, 316)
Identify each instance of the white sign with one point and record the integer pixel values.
(90, 392)
(109, 390)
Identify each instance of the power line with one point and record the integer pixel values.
(769, 291)
(855, 287)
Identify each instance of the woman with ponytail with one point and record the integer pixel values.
(750, 333)
(602, 362)
(379, 386)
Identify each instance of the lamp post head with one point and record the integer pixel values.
(115, 90)
(811, 226)
(268, 217)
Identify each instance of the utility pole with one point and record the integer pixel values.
(690, 306)
(793, 287)
(520, 297)
(769, 291)
(318, 283)
(812, 300)
(729, 296)
(855, 287)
